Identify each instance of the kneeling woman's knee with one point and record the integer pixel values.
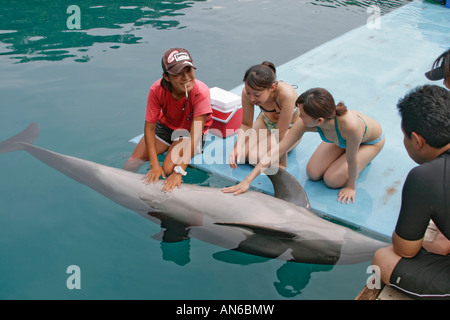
(312, 173)
(335, 180)
(168, 167)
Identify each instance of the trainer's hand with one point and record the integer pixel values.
(172, 181)
(153, 175)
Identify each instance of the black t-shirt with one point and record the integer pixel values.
(426, 195)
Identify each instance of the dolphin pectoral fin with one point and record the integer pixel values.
(171, 235)
(287, 188)
(158, 236)
(260, 230)
(171, 230)
(263, 241)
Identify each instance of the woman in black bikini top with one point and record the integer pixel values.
(277, 103)
(274, 110)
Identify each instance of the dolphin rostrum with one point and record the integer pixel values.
(283, 227)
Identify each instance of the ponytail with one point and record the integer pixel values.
(261, 76)
(270, 65)
(341, 109)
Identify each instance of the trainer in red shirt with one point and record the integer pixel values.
(178, 115)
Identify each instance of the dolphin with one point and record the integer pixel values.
(282, 226)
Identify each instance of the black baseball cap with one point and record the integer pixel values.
(436, 73)
(175, 59)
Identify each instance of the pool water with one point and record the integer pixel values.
(87, 89)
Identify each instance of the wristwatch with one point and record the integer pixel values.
(179, 170)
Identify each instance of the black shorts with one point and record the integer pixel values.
(167, 135)
(425, 276)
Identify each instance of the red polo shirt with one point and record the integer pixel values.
(162, 106)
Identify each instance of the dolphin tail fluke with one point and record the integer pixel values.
(20, 140)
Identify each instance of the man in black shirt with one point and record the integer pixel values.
(411, 264)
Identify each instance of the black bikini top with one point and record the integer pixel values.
(274, 110)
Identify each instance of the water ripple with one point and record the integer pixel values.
(30, 30)
(384, 5)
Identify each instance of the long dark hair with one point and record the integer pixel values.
(319, 103)
(261, 76)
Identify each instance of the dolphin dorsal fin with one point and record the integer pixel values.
(287, 188)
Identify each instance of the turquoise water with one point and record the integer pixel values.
(87, 88)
